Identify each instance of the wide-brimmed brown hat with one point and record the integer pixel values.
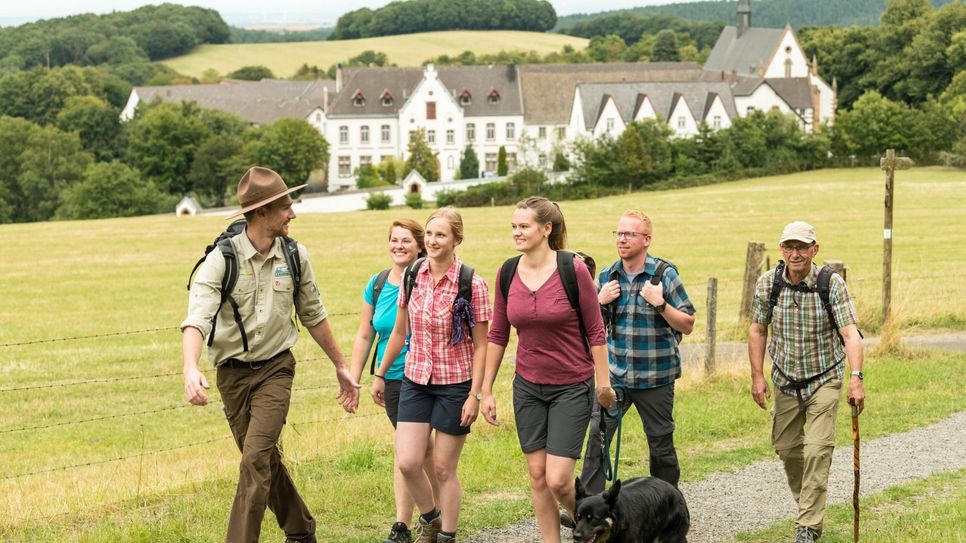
(260, 186)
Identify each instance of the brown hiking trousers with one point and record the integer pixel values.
(256, 403)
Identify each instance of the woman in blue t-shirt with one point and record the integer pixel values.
(375, 324)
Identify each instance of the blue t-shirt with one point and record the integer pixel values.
(383, 319)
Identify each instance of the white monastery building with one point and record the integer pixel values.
(533, 111)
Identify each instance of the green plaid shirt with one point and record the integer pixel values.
(803, 342)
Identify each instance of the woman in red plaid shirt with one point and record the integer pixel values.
(443, 374)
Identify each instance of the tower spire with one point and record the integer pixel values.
(744, 16)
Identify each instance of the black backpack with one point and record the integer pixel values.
(824, 293)
(465, 282)
(223, 242)
(568, 276)
(610, 310)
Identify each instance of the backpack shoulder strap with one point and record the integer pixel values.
(507, 271)
(409, 277)
(824, 292)
(568, 276)
(777, 284)
(662, 265)
(466, 283)
(291, 248)
(377, 287)
(228, 281)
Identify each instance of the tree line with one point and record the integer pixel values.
(64, 154)
(765, 13)
(146, 33)
(411, 16)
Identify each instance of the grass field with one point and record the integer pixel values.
(925, 511)
(406, 50)
(124, 459)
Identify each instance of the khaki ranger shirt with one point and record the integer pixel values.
(803, 342)
(264, 294)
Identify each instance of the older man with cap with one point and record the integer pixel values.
(809, 342)
(252, 355)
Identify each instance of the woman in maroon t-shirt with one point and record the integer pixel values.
(553, 388)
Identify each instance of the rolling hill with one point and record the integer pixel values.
(406, 50)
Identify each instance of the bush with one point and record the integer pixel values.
(368, 177)
(447, 198)
(378, 200)
(414, 200)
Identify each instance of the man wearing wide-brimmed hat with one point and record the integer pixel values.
(809, 344)
(253, 357)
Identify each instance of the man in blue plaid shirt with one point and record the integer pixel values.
(645, 322)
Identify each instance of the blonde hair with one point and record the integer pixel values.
(452, 217)
(546, 211)
(639, 215)
(415, 229)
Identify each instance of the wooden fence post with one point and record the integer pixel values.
(712, 332)
(839, 267)
(753, 263)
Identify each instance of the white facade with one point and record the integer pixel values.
(764, 98)
(646, 110)
(354, 141)
(717, 116)
(788, 59)
(681, 120)
(609, 121)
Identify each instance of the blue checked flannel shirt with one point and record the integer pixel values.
(642, 347)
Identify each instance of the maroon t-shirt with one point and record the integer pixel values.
(550, 349)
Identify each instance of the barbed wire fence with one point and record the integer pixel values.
(143, 414)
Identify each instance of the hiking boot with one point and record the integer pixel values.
(443, 538)
(566, 521)
(804, 534)
(399, 533)
(426, 531)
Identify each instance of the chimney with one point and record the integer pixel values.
(816, 108)
(325, 99)
(338, 78)
(743, 22)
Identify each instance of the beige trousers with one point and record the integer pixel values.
(804, 441)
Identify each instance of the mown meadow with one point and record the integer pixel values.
(98, 444)
(405, 50)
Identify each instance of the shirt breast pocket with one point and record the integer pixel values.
(283, 289)
(443, 305)
(244, 293)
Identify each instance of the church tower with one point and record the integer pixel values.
(744, 16)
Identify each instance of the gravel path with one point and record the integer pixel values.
(757, 495)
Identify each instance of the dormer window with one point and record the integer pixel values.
(493, 96)
(387, 99)
(466, 97)
(358, 99)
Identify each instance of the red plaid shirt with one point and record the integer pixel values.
(431, 358)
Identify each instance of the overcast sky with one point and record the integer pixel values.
(260, 11)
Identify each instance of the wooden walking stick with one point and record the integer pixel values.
(855, 470)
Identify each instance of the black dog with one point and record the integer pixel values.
(641, 510)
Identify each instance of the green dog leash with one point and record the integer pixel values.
(610, 471)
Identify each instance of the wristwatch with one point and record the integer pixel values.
(859, 374)
(660, 308)
(478, 396)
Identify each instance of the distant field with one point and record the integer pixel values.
(407, 50)
(99, 446)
